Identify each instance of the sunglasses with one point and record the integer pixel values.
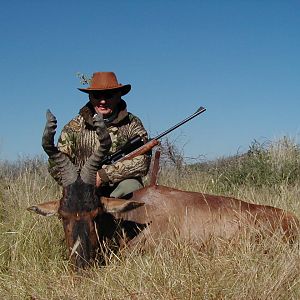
(100, 96)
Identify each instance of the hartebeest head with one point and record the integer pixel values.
(79, 204)
(80, 208)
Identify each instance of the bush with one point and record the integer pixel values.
(265, 164)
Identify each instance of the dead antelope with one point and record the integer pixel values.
(152, 211)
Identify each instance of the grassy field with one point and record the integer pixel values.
(34, 264)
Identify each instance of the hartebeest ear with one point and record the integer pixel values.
(115, 205)
(46, 209)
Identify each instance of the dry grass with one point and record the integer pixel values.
(34, 265)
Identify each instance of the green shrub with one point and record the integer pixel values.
(265, 164)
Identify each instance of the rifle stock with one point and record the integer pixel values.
(141, 150)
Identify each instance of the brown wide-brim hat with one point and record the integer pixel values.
(106, 81)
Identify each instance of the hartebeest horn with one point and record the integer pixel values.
(67, 170)
(93, 164)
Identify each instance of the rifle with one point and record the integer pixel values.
(136, 145)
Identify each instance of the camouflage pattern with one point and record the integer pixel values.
(79, 140)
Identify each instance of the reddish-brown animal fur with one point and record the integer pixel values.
(199, 216)
(157, 210)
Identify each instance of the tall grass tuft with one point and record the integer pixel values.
(34, 264)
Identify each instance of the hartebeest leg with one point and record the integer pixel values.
(142, 242)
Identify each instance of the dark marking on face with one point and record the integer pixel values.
(79, 207)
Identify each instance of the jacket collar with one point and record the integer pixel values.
(87, 112)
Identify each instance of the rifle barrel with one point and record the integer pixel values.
(199, 111)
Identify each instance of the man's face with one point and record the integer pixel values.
(105, 103)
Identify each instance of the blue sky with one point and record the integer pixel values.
(238, 59)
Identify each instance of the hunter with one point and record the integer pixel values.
(78, 138)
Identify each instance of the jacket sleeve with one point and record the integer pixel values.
(136, 167)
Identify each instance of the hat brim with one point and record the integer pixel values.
(124, 89)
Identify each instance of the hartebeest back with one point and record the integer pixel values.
(198, 216)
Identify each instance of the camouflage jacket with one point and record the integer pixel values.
(79, 140)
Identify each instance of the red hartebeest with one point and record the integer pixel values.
(150, 212)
